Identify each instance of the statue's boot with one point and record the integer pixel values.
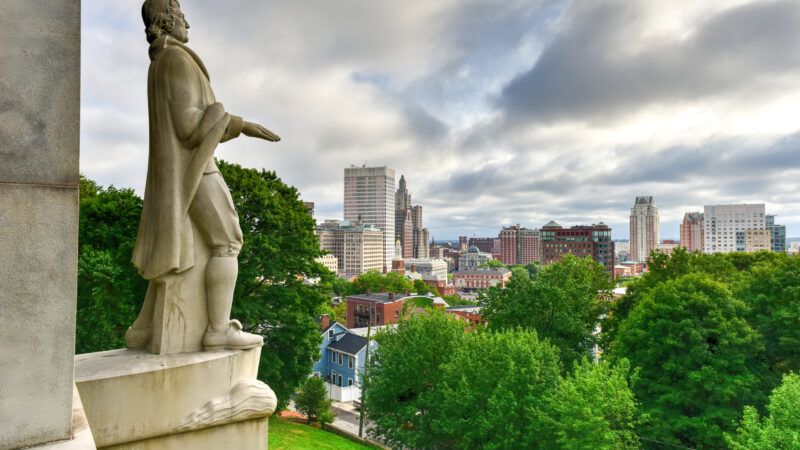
(232, 338)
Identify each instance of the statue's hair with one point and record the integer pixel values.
(158, 17)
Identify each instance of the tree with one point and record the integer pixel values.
(780, 429)
(494, 391)
(563, 304)
(312, 401)
(403, 372)
(728, 268)
(594, 407)
(422, 288)
(697, 359)
(455, 300)
(493, 264)
(374, 281)
(772, 291)
(110, 291)
(278, 255)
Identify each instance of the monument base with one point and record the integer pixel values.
(137, 400)
(81, 434)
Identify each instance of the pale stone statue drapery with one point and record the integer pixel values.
(188, 221)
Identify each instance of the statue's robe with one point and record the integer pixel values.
(186, 125)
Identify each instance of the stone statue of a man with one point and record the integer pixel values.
(185, 191)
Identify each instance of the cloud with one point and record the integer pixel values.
(496, 111)
(601, 65)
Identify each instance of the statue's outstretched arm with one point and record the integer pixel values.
(257, 131)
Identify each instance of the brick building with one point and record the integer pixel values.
(470, 314)
(519, 245)
(484, 244)
(582, 240)
(471, 280)
(379, 309)
(692, 236)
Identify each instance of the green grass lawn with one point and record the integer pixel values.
(285, 435)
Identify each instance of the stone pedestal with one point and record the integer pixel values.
(39, 131)
(201, 400)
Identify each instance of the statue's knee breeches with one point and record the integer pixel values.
(215, 217)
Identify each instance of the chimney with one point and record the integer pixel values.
(325, 320)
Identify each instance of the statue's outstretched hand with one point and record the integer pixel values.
(257, 131)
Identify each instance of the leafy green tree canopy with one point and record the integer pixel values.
(312, 401)
(697, 356)
(780, 429)
(563, 304)
(403, 372)
(110, 291)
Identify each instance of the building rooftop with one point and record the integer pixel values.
(380, 297)
(482, 272)
(474, 309)
(349, 343)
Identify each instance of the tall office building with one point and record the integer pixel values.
(692, 232)
(519, 245)
(420, 234)
(645, 228)
(581, 241)
(403, 224)
(369, 197)
(778, 234)
(726, 226)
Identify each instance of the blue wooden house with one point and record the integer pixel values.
(341, 362)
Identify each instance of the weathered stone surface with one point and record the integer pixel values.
(39, 91)
(81, 434)
(38, 285)
(132, 395)
(247, 435)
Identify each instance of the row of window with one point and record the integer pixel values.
(339, 358)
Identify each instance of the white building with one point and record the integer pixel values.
(726, 226)
(369, 197)
(645, 228)
(358, 248)
(329, 261)
(436, 267)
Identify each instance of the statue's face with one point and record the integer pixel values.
(180, 27)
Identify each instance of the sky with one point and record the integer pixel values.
(496, 111)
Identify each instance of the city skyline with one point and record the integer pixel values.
(518, 112)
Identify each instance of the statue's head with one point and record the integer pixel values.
(164, 17)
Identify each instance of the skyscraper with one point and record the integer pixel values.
(645, 228)
(369, 197)
(692, 232)
(726, 226)
(403, 224)
(778, 235)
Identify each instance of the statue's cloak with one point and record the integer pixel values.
(186, 125)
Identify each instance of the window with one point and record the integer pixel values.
(349, 361)
(340, 362)
(330, 333)
(349, 382)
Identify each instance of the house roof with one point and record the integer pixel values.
(349, 343)
(330, 325)
(475, 309)
(482, 272)
(380, 297)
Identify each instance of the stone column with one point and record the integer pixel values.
(39, 138)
